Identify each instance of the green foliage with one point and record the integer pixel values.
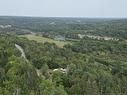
(91, 67)
(49, 88)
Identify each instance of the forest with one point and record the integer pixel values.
(86, 67)
(68, 27)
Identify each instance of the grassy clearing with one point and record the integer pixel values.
(41, 39)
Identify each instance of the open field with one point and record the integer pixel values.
(41, 39)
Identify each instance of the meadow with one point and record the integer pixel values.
(42, 39)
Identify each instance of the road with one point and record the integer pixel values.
(23, 55)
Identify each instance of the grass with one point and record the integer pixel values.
(41, 39)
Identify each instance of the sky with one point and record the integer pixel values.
(64, 8)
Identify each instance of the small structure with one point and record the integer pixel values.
(80, 36)
(97, 37)
(61, 70)
(60, 38)
(5, 26)
(52, 23)
(33, 33)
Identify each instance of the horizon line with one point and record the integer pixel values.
(98, 17)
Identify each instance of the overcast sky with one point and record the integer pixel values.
(64, 8)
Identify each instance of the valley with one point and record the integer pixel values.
(65, 56)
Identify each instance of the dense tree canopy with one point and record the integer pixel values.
(92, 67)
(88, 66)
